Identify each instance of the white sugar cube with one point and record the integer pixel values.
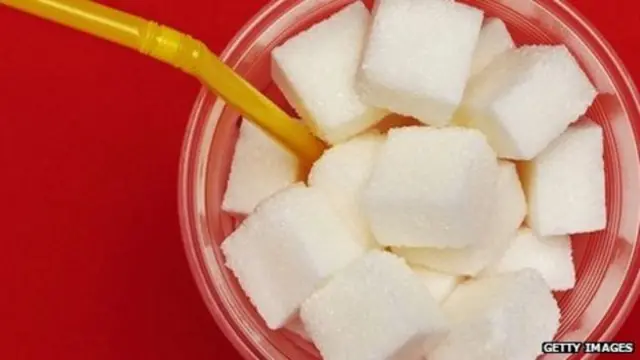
(342, 172)
(286, 249)
(375, 309)
(494, 40)
(257, 156)
(565, 185)
(504, 317)
(418, 57)
(316, 72)
(551, 256)
(431, 187)
(510, 199)
(440, 285)
(509, 214)
(526, 98)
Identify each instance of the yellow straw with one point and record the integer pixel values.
(185, 53)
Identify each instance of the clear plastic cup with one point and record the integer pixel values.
(606, 262)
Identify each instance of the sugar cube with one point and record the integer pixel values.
(375, 309)
(526, 98)
(316, 72)
(286, 249)
(440, 285)
(431, 187)
(504, 317)
(551, 256)
(565, 185)
(257, 156)
(510, 199)
(494, 40)
(418, 57)
(509, 214)
(342, 172)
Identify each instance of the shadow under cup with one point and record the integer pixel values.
(606, 262)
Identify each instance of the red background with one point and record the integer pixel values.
(91, 262)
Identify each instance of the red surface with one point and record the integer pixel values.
(91, 264)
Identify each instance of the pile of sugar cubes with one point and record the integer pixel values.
(440, 241)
